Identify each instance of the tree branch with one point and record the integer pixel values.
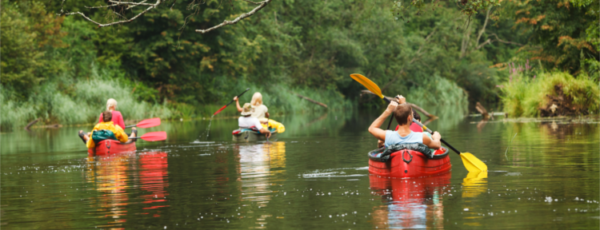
(236, 20)
(465, 41)
(143, 3)
(487, 17)
(506, 42)
(151, 6)
(132, 4)
(489, 41)
(311, 100)
(252, 2)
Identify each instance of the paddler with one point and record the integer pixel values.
(246, 121)
(414, 127)
(272, 124)
(117, 118)
(260, 110)
(115, 131)
(403, 114)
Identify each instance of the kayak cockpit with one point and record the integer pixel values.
(409, 160)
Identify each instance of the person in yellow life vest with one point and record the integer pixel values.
(272, 124)
(107, 124)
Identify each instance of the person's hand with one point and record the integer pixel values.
(236, 98)
(268, 134)
(436, 135)
(392, 106)
(380, 143)
(267, 114)
(133, 128)
(401, 99)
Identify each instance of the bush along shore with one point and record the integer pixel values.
(67, 102)
(550, 94)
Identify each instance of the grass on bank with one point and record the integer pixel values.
(65, 100)
(523, 96)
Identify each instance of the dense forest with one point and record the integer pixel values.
(62, 68)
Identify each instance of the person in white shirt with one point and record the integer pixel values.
(246, 121)
(260, 110)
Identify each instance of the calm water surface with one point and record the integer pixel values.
(543, 175)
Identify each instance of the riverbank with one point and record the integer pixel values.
(65, 101)
(550, 94)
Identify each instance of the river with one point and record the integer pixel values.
(542, 175)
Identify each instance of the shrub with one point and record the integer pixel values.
(525, 96)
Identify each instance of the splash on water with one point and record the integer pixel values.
(208, 129)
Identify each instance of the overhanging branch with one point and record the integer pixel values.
(115, 3)
(132, 3)
(236, 20)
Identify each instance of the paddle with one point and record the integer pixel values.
(472, 163)
(153, 136)
(374, 88)
(225, 106)
(148, 123)
(469, 160)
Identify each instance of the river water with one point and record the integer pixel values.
(542, 175)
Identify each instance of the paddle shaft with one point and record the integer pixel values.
(391, 117)
(429, 130)
(222, 108)
(238, 96)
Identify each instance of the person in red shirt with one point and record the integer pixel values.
(414, 127)
(117, 118)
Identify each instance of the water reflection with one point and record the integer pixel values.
(474, 184)
(410, 203)
(260, 168)
(153, 180)
(109, 176)
(117, 177)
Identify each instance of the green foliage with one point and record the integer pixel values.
(304, 47)
(66, 101)
(468, 7)
(524, 96)
(440, 92)
(563, 36)
(26, 41)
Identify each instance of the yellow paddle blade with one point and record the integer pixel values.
(370, 85)
(475, 183)
(472, 163)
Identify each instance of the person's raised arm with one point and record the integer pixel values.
(237, 104)
(375, 129)
(434, 142)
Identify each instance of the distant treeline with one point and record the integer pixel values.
(286, 48)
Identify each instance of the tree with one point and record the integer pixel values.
(128, 11)
(25, 41)
(561, 35)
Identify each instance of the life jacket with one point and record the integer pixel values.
(275, 125)
(103, 134)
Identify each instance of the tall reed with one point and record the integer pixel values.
(64, 100)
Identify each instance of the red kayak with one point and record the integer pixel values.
(107, 147)
(409, 163)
